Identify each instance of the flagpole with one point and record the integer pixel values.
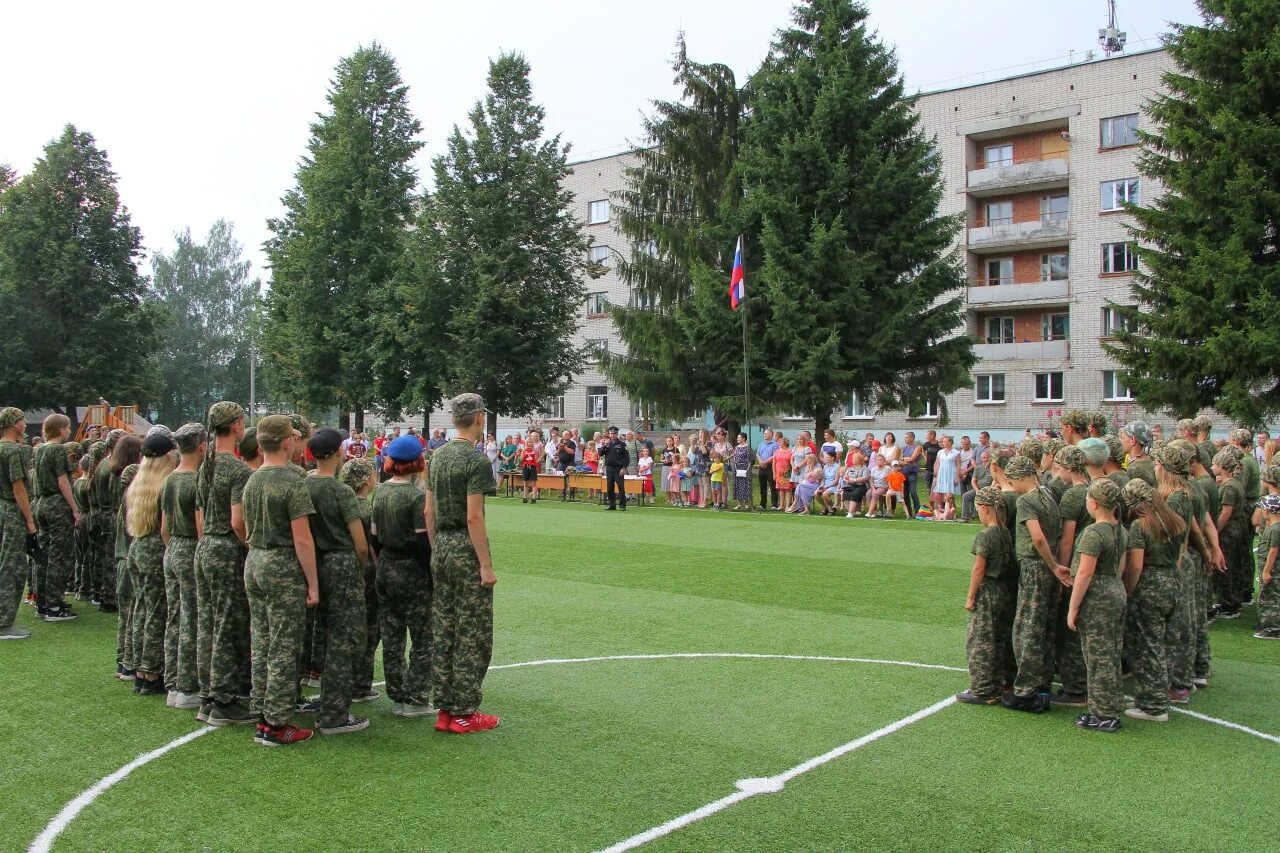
(746, 369)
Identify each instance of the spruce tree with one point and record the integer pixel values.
(510, 260)
(80, 320)
(340, 237)
(1208, 289)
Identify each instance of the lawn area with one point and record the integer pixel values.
(592, 753)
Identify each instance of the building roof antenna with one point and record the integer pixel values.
(1111, 39)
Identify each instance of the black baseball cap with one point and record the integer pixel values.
(157, 444)
(324, 442)
(612, 429)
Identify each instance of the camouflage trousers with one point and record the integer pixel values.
(1033, 626)
(1068, 652)
(222, 620)
(146, 566)
(127, 650)
(461, 623)
(1189, 642)
(372, 630)
(1231, 586)
(1269, 600)
(405, 611)
(313, 638)
(277, 592)
(13, 561)
(1151, 638)
(105, 561)
(180, 624)
(82, 581)
(990, 628)
(57, 536)
(342, 615)
(1101, 627)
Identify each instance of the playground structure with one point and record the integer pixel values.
(112, 417)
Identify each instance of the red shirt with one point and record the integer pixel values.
(529, 458)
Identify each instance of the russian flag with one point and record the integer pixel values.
(738, 280)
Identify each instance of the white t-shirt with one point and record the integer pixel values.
(890, 452)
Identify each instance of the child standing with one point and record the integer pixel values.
(146, 562)
(361, 476)
(717, 480)
(675, 495)
(990, 601)
(1269, 596)
(528, 470)
(179, 531)
(782, 472)
(896, 492)
(644, 467)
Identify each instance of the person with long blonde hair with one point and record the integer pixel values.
(146, 561)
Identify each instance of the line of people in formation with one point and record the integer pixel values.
(1087, 570)
(239, 576)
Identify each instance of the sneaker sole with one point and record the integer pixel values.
(358, 699)
(223, 723)
(342, 730)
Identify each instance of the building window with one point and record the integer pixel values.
(598, 255)
(553, 409)
(641, 300)
(1115, 386)
(856, 408)
(998, 155)
(597, 402)
(1055, 266)
(926, 411)
(795, 417)
(597, 347)
(999, 212)
(1054, 208)
(643, 413)
(597, 211)
(1000, 330)
(999, 271)
(989, 388)
(597, 304)
(1119, 131)
(1113, 321)
(1116, 194)
(1119, 257)
(1055, 327)
(1049, 387)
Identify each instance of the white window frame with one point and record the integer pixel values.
(1111, 380)
(857, 410)
(1049, 383)
(997, 220)
(988, 389)
(598, 255)
(930, 412)
(598, 403)
(1127, 125)
(1046, 267)
(1046, 325)
(795, 417)
(1116, 194)
(1012, 337)
(1002, 160)
(1003, 279)
(597, 300)
(1130, 257)
(640, 300)
(1048, 214)
(596, 347)
(598, 211)
(553, 409)
(1112, 321)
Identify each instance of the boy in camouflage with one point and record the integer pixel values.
(16, 521)
(360, 475)
(1232, 522)
(992, 594)
(1074, 424)
(179, 530)
(1135, 437)
(461, 571)
(1269, 595)
(1071, 467)
(80, 492)
(105, 492)
(56, 517)
(1204, 444)
(280, 579)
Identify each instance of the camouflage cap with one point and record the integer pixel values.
(1020, 467)
(1002, 457)
(85, 463)
(299, 423)
(1096, 451)
(1139, 431)
(356, 472)
(1137, 491)
(1271, 474)
(1226, 460)
(989, 496)
(1184, 444)
(274, 429)
(1076, 419)
(224, 413)
(160, 429)
(1053, 445)
(127, 475)
(10, 417)
(1174, 459)
(1269, 503)
(1071, 458)
(113, 438)
(1234, 451)
(1203, 423)
(1032, 449)
(74, 449)
(466, 405)
(249, 444)
(1114, 448)
(1242, 435)
(98, 451)
(189, 437)
(1105, 493)
(1100, 420)
(1186, 425)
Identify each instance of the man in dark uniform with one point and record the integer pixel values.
(616, 458)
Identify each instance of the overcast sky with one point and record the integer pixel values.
(204, 108)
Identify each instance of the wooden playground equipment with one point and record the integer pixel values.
(109, 417)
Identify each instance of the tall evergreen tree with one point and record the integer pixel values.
(208, 298)
(509, 257)
(1204, 330)
(859, 286)
(80, 321)
(341, 235)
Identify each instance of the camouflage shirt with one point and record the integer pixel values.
(1143, 469)
(216, 493)
(1231, 494)
(122, 538)
(1163, 554)
(50, 463)
(80, 491)
(106, 487)
(457, 471)
(12, 468)
(1105, 541)
(1252, 475)
(273, 498)
(1120, 478)
(398, 514)
(1036, 505)
(335, 505)
(178, 503)
(1209, 486)
(996, 545)
(1071, 507)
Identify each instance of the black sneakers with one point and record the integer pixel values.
(58, 614)
(970, 698)
(1098, 724)
(1037, 703)
(350, 724)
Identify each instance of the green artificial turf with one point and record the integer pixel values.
(589, 754)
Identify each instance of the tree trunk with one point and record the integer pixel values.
(821, 423)
(70, 412)
(360, 419)
(344, 421)
(490, 423)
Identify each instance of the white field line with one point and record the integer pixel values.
(1226, 724)
(748, 788)
(735, 655)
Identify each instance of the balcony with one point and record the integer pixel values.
(984, 293)
(1049, 230)
(1022, 351)
(1037, 173)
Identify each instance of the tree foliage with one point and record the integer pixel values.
(1203, 332)
(80, 321)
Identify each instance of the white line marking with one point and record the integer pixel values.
(737, 655)
(748, 788)
(1226, 724)
(44, 841)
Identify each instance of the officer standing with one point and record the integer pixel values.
(616, 458)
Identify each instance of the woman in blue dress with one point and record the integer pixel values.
(946, 480)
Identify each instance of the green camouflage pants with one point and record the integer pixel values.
(342, 614)
(461, 623)
(80, 584)
(1230, 586)
(146, 565)
(1269, 602)
(13, 561)
(1150, 636)
(405, 610)
(222, 620)
(180, 623)
(126, 636)
(1189, 632)
(372, 630)
(1101, 627)
(105, 561)
(990, 624)
(57, 536)
(1038, 593)
(1068, 652)
(277, 592)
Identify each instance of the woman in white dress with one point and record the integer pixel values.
(890, 450)
(946, 480)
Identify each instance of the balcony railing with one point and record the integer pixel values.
(1021, 350)
(1045, 170)
(1048, 230)
(992, 291)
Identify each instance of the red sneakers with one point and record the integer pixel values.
(282, 735)
(473, 722)
(443, 718)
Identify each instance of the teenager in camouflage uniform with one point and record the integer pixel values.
(341, 555)
(992, 595)
(1135, 437)
(56, 517)
(1098, 605)
(360, 475)
(106, 497)
(1072, 468)
(280, 579)
(1232, 521)
(461, 571)
(178, 506)
(146, 561)
(1202, 585)
(16, 522)
(128, 639)
(1074, 425)
(1204, 444)
(1251, 475)
(404, 579)
(80, 492)
(222, 608)
(1269, 594)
